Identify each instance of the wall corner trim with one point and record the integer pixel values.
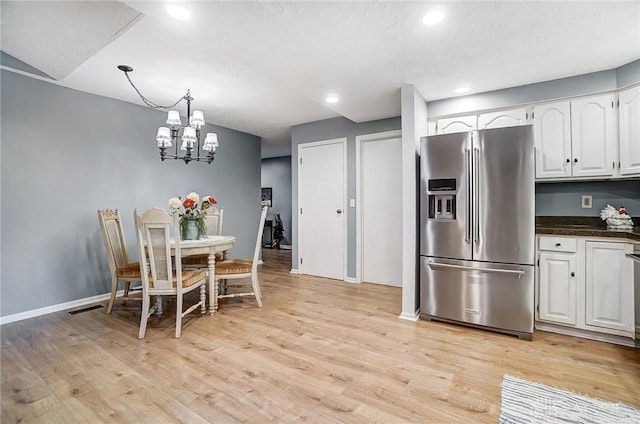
(410, 317)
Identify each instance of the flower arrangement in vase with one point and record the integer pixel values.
(616, 219)
(191, 211)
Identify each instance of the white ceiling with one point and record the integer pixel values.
(262, 67)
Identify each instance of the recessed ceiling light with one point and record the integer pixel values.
(462, 90)
(332, 98)
(434, 17)
(178, 12)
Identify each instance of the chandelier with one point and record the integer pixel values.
(188, 134)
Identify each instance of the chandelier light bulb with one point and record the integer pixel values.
(197, 119)
(210, 142)
(173, 118)
(164, 137)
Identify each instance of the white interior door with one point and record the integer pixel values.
(322, 214)
(381, 211)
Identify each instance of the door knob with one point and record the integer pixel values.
(339, 211)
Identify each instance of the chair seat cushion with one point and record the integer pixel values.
(130, 270)
(189, 277)
(199, 259)
(233, 266)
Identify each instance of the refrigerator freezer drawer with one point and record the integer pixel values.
(497, 296)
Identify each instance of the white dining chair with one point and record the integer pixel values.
(240, 269)
(123, 270)
(162, 276)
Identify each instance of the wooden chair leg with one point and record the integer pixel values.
(179, 299)
(215, 294)
(144, 317)
(114, 289)
(127, 286)
(256, 289)
(203, 300)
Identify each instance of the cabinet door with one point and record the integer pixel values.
(593, 136)
(629, 126)
(558, 288)
(552, 133)
(609, 286)
(503, 118)
(458, 124)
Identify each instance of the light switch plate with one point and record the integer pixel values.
(587, 202)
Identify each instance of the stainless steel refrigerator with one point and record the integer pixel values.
(477, 229)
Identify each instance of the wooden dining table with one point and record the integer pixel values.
(209, 245)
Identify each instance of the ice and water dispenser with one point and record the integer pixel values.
(442, 199)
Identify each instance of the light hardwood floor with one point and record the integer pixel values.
(320, 351)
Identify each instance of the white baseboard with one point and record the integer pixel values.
(351, 280)
(585, 334)
(410, 317)
(294, 271)
(56, 308)
(260, 261)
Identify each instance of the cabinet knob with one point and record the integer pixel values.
(575, 160)
(558, 244)
(568, 160)
(339, 211)
(573, 274)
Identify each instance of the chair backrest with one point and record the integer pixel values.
(256, 253)
(155, 229)
(114, 243)
(213, 220)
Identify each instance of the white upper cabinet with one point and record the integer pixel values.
(552, 134)
(457, 124)
(576, 138)
(503, 118)
(629, 126)
(593, 136)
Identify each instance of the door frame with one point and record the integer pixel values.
(360, 140)
(343, 142)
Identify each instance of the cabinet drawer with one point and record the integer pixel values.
(557, 244)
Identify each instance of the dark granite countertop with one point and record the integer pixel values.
(583, 227)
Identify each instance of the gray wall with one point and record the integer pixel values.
(628, 74)
(566, 87)
(66, 154)
(276, 173)
(326, 130)
(565, 199)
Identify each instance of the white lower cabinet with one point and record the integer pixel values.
(609, 286)
(558, 289)
(586, 284)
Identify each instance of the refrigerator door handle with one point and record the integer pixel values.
(476, 195)
(467, 167)
(519, 272)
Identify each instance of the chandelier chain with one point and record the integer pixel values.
(149, 102)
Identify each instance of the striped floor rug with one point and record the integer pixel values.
(527, 402)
